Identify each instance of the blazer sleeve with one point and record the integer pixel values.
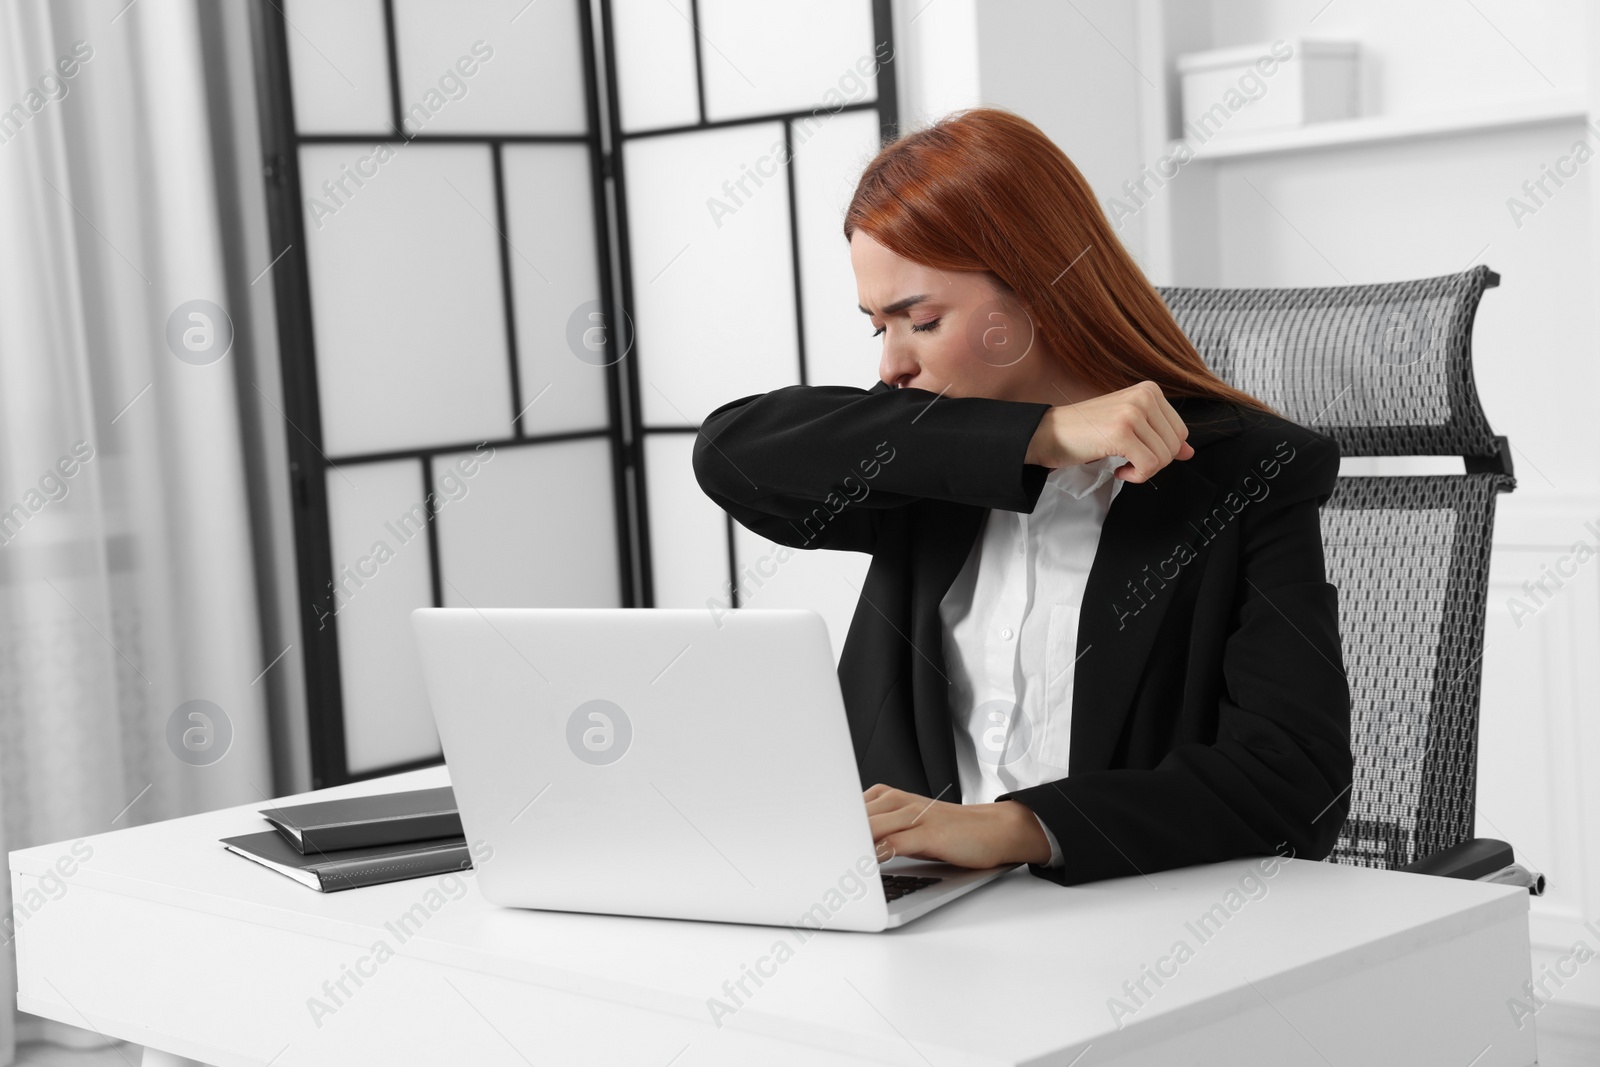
(817, 466)
(1280, 770)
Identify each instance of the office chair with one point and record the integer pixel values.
(1386, 370)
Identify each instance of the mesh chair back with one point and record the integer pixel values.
(1386, 370)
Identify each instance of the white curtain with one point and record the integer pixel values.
(126, 586)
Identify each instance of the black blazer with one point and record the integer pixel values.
(1210, 710)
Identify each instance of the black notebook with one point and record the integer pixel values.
(361, 822)
(353, 867)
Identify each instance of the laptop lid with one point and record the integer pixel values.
(662, 762)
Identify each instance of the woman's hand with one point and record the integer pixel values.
(1136, 422)
(968, 835)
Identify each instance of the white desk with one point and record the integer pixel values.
(163, 938)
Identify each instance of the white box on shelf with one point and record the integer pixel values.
(1268, 86)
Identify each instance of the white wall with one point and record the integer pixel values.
(936, 58)
(1072, 70)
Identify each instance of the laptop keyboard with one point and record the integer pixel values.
(896, 886)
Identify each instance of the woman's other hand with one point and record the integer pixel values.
(1137, 422)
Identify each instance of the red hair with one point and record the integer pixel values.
(985, 190)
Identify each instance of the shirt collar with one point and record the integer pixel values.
(1084, 478)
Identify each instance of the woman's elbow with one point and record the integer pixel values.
(1325, 810)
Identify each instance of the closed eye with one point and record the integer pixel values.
(924, 328)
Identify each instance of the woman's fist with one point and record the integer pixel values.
(1136, 422)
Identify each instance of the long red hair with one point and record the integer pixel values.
(985, 190)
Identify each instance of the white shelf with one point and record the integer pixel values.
(1378, 128)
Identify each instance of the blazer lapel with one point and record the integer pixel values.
(1130, 585)
(950, 531)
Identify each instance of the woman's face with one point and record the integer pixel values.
(957, 333)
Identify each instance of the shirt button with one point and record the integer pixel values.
(1006, 633)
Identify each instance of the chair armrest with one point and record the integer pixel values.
(1473, 858)
(1517, 874)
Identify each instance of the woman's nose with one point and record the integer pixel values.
(895, 369)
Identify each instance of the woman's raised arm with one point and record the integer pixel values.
(815, 466)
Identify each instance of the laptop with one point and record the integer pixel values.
(666, 762)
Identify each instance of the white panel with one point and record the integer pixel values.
(655, 64)
(713, 284)
(406, 297)
(556, 288)
(338, 66)
(688, 533)
(533, 527)
(776, 576)
(490, 66)
(762, 58)
(386, 715)
(830, 154)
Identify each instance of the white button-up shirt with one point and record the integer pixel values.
(1010, 624)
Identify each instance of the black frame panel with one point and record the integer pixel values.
(887, 105)
(309, 464)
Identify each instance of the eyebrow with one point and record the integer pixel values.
(898, 305)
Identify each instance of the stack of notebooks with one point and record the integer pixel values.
(343, 844)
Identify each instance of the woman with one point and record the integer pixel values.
(1096, 634)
